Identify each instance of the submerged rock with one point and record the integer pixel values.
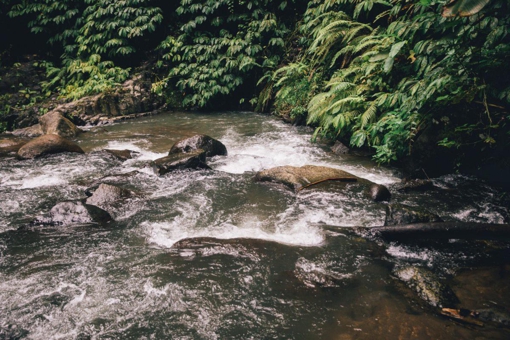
(75, 212)
(415, 185)
(427, 286)
(114, 179)
(297, 178)
(106, 194)
(47, 144)
(397, 214)
(211, 146)
(378, 193)
(55, 123)
(122, 155)
(180, 161)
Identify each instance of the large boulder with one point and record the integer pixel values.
(106, 194)
(297, 178)
(75, 212)
(47, 144)
(427, 286)
(56, 124)
(211, 146)
(180, 161)
(29, 132)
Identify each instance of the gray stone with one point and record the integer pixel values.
(29, 132)
(75, 212)
(340, 149)
(106, 194)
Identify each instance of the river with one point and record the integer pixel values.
(211, 254)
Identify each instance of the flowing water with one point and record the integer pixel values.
(211, 254)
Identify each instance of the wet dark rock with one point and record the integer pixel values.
(297, 178)
(415, 185)
(47, 144)
(12, 332)
(493, 316)
(211, 146)
(378, 193)
(56, 299)
(397, 214)
(122, 155)
(180, 161)
(340, 149)
(106, 194)
(29, 132)
(427, 286)
(54, 123)
(10, 146)
(75, 212)
(444, 231)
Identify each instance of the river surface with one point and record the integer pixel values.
(211, 254)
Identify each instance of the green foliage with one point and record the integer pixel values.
(224, 43)
(87, 31)
(404, 70)
(80, 78)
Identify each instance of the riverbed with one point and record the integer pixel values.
(212, 254)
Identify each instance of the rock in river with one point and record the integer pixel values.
(427, 286)
(10, 146)
(397, 214)
(211, 146)
(297, 178)
(47, 144)
(378, 193)
(53, 123)
(180, 161)
(106, 194)
(75, 212)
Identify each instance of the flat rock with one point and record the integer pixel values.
(47, 144)
(211, 146)
(180, 161)
(54, 123)
(297, 178)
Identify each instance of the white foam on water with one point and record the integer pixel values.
(139, 145)
(166, 234)
(42, 181)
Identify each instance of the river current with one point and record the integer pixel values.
(211, 254)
